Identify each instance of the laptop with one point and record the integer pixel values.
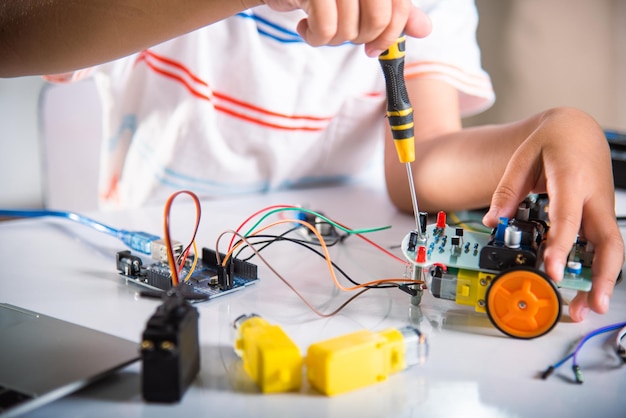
(43, 358)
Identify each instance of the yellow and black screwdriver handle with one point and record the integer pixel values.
(399, 110)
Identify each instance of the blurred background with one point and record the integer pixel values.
(539, 53)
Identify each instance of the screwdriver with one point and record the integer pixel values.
(400, 113)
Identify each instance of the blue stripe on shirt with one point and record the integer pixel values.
(272, 30)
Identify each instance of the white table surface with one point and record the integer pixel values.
(67, 270)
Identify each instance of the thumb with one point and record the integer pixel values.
(517, 181)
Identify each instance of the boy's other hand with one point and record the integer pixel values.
(568, 157)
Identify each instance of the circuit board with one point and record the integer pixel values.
(461, 248)
(207, 281)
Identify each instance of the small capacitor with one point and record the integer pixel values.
(512, 236)
(423, 216)
(412, 241)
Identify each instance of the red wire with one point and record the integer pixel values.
(258, 212)
(369, 241)
(390, 254)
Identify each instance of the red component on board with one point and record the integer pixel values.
(421, 254)
(441, 219)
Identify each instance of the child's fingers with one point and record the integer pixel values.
(565, 213)
(414, 23)
(320, 26)
(418, 24)
(383, 36)
(608, 260)
(375, 23)
(374, 20)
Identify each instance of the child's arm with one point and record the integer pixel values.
(562, 152)
(55, 36)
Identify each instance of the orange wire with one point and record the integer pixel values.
(230, 244)
(326, 256)
(290, 286)
(173, 263)
(369, 241)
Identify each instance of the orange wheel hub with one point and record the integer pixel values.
(523, 303)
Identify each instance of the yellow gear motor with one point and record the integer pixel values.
(362, 358)
(269, 356)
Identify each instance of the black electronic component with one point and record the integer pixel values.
(498, 256)
(240, 268)
(546, 373)
(159, 278)
(617, 144)
(328, 231)
(409, 289)
(423, 217)
(442, 284)
(620, 348)
(225, 275)
(412, 241)
(170, 350)
(578, 374)
(128, 264)
(533, 231)
(535, 206)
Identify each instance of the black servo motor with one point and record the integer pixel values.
(170, 350)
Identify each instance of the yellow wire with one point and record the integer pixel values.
(326, 256)
(195, 261)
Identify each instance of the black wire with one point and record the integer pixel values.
(260, 249)
(339, 239)
(307, 244)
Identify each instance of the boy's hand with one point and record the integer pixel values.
(568, 157)
(375, 23)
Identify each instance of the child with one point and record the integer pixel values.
(232, 99)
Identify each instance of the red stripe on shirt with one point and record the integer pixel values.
(181, 67)
(267, 124)
(176, 77)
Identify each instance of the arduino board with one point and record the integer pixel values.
(207, 281)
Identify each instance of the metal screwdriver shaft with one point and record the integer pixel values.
(400, 113)
(414, 200)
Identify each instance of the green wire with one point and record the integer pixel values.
(335, 224)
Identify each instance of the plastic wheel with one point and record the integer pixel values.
(523, 303)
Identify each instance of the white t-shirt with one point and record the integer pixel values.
(244, 105)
